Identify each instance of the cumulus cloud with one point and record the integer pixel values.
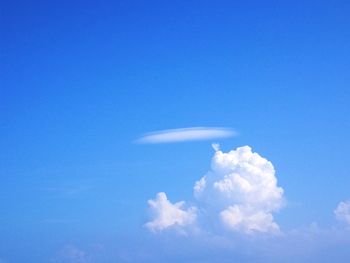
(240, 191)
(241, 218)
(186, 134)
(241, 184)
(167, 214)
(342, 212)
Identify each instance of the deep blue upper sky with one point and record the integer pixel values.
(80, 81)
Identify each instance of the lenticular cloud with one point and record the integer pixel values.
(240, 191)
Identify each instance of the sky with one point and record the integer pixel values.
(174, 131)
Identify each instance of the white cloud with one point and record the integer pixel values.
(240, 191)
(186, 134)
(241, 218)
(342, 212)
(243, 187)
(167, 214)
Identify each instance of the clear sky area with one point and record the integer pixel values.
(174, 131)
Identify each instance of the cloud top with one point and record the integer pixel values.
(186, 134)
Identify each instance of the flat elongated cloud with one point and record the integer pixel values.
(186, 134)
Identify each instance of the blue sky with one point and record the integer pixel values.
(81, 81)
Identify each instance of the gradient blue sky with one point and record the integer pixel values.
(81, 80)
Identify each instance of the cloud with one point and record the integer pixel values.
(241, 218)
(186, 134)
(240, 192)
(167, 214)
(342, 212)
(242, 186)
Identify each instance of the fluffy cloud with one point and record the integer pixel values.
(241, 218)
(186, 134)
(240, 191)
(342, 212)
(167, 214)
(241, 184)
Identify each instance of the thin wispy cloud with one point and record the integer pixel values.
(186, 134)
